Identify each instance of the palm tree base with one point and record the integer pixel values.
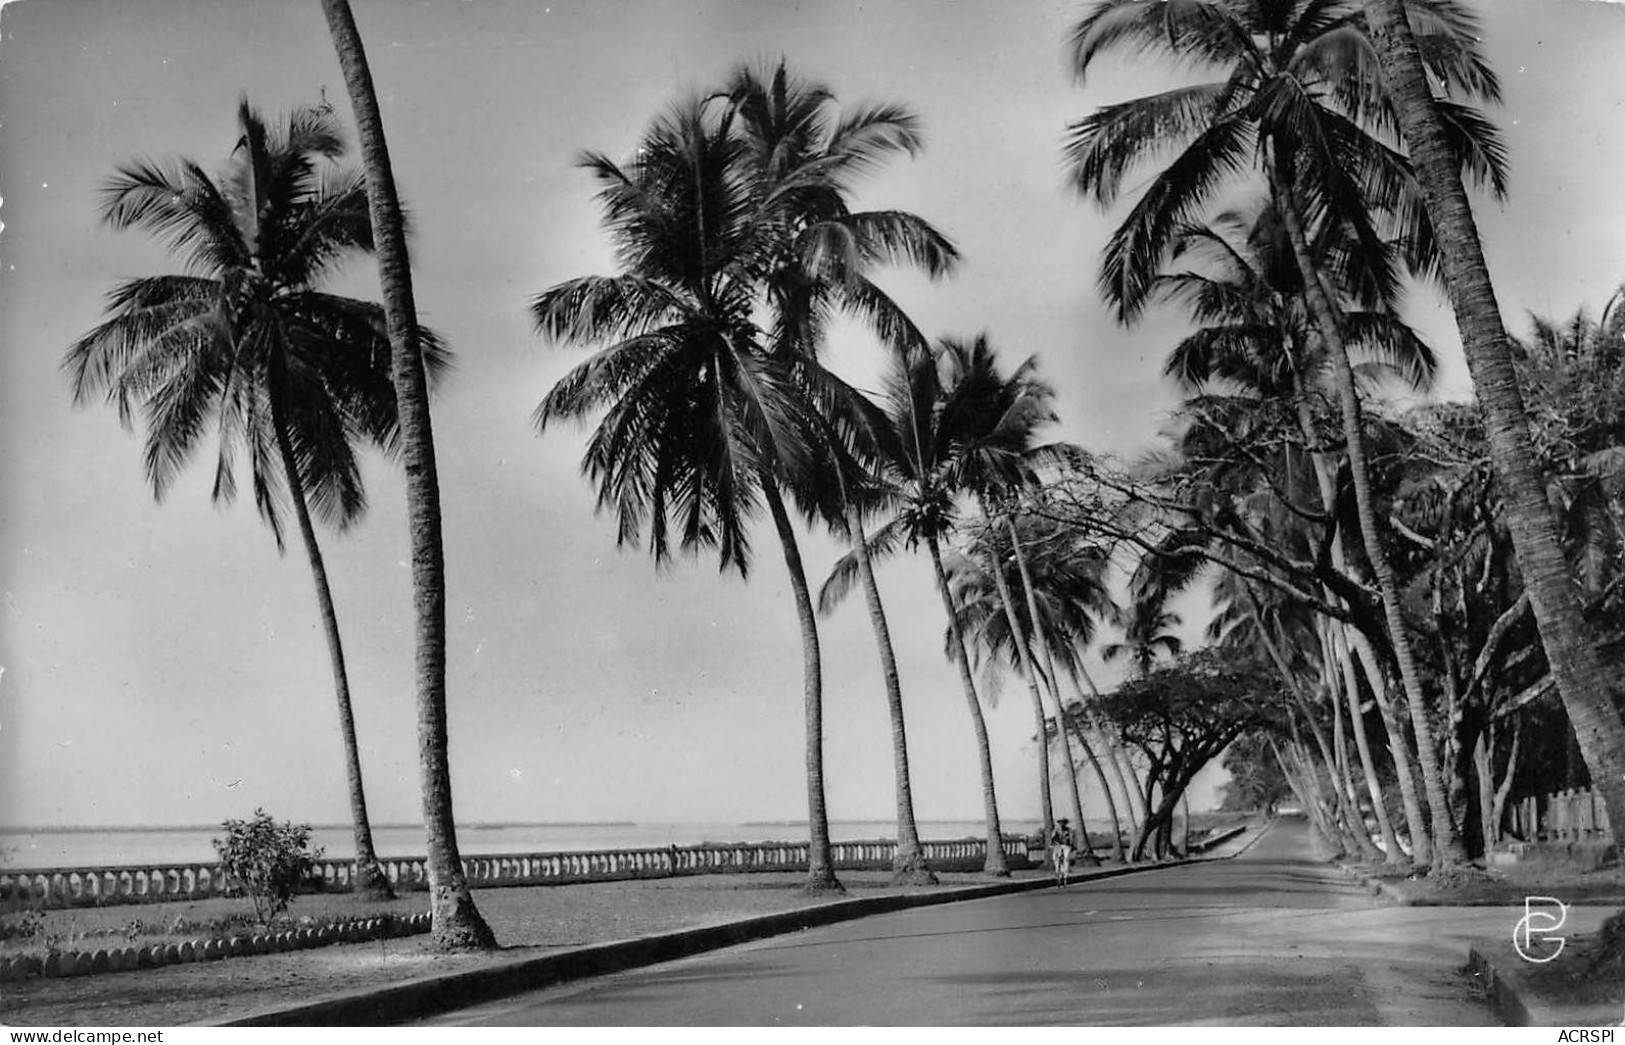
(458, 925)
(823, 881)
(371, 884)
(911, 869)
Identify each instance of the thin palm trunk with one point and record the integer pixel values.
(909, 865)
(457, 923)
(1049, 667)
(1447, 848)
(820, 855)
(1300, 777)
(1117, 756)
(1348, 818)
(995, 864)
(370, 882)
(1498, 801)
(1398, 745)
(1024, 659)
(1075, 723)
(1588, 682)
(1393, 854)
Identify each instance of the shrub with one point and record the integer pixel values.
(266, 861)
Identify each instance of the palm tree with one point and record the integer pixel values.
(701, 421)
(457, 922)
(802, 161)
(994, 466)
(1148, 632)
(1063, 586)
(1301, 102)
(987, 616)
(247, 343)
(1589, 684)
(926, 423)
(1239, 279)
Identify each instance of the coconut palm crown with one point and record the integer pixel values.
(1298, 96)
(247, 345)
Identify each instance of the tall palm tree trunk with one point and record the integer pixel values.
(1392, 853)
(1447, 843)
(820, 855)
(1398, 745)
(1126, 811)
(1347, 813)
(995, 864)
(1024, 656)
(909, 865)
(1042, 644)
(1075, 724)
(370, 882)
(457, 923)
(1116, 755)
(1589, 684)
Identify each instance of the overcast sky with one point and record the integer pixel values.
(163, 665)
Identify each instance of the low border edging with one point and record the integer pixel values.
(432, 995)
(62, 964)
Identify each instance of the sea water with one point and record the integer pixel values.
(111, 847)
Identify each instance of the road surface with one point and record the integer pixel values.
(1272, 937)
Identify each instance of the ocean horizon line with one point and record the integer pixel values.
(67, 829)
(475, 825)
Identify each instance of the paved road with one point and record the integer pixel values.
(1270, 938)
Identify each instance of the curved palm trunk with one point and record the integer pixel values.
(820, 856)
(1042, 644)
(1347, 818)
(370, 881)
(1127, 810)
(1392, 853)
(457, 922)
(1447, 843)
(1300, 777)
(1589, 684)
(909, 865)
(995, 864)
(1075, 725)
(1031, 677)
(1116, 755)
(1398, 744)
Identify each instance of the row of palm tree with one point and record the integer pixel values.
(1292, 196)
(1327, 109)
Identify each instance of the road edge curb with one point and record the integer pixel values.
(1505, 997)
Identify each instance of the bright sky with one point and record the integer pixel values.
(163, 665)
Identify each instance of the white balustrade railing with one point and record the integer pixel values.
(97, 886)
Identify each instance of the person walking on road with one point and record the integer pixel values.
(1060, 848)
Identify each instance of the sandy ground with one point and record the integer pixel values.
(526, 920)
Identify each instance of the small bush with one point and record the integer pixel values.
(266, 861)
(31, 926)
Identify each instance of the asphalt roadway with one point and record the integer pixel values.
(1272, 938)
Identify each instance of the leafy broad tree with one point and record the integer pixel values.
(1182, 716)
